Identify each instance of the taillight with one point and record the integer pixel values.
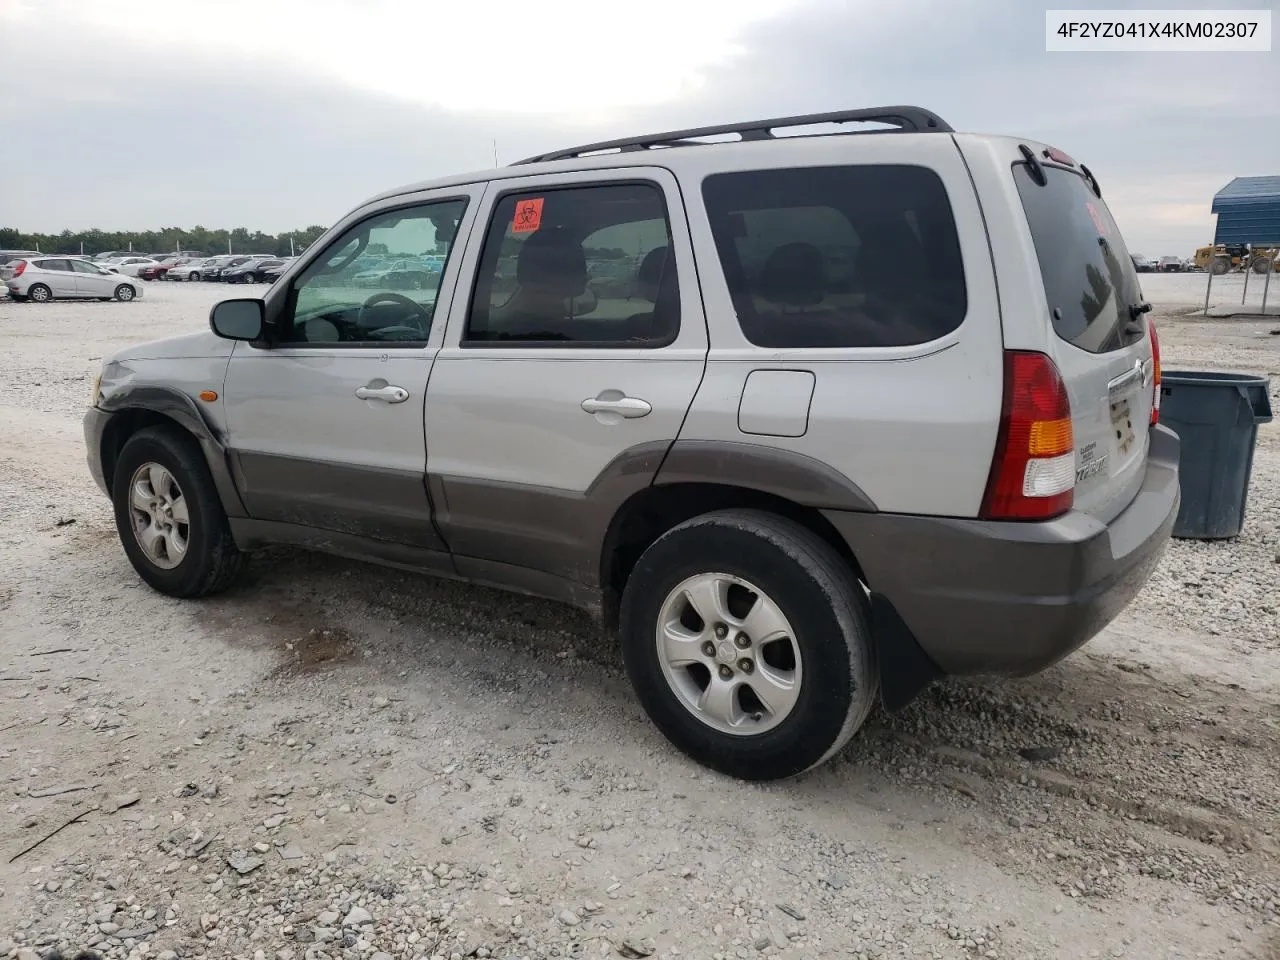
(18, 267)
(1033, 473)
(1155, 376)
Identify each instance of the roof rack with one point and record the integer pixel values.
(907, 119)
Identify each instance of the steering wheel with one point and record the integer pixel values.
(424, 318)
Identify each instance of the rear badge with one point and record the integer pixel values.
(1092, 463)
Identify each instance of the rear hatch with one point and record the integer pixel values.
(1103, 347)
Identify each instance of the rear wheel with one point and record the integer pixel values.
(125, 293)
(1220, 266)
(39, 293)
(193, 276)
(1261, 265)
(169, 518)
(746, 639)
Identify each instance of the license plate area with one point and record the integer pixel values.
(1124, 434)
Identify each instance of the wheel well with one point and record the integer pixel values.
(653, 511)
(121, 427)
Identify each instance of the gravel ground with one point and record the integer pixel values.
(339, 761)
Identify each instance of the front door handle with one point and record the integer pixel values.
(627, 407)
(389, 393)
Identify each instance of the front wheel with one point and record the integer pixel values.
(746, 638)
(124, 293)
(193, 276)
(169, 518)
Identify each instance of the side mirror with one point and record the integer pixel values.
(238, 319)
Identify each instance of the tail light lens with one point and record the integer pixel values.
(1155, 377)
(19, 267)
(1033, 472)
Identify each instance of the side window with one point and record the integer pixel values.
(377, 283)
(577, 266)
(60, 265)
(79, 266)
(854, 256)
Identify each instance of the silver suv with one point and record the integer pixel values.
(804, 419)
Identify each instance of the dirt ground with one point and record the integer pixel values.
(336, 760)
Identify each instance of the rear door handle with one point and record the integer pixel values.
(389, 393)
(628, 407)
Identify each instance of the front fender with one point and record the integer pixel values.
(125, 409)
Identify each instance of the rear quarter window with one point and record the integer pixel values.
(1089, 278)
(844, 256)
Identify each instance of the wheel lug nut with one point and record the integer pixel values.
(709, 649)
(726, 673)
(745, 665)
(742, 640)
(721, 631)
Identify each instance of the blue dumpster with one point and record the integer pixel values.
(1216, 415)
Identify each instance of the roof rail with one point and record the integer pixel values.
(907, 119)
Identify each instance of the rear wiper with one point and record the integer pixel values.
(1136, 310)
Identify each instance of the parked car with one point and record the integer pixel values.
(129, 266)
(159, 267)
(1170, 264)
(775, 537)
(271, 272)
(1142, 264)
(248, 271)
(214, 268)
(186, 269)
(41, 279)
(7, 256)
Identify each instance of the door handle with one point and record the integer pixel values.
(628, 407)
(389, 393)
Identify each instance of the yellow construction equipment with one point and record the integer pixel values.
(1237, 256)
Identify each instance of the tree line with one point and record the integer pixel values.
(203, 239)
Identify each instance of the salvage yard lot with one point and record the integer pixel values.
(336, 760)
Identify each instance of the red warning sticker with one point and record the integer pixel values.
(528, 216)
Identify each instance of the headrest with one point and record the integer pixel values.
(552, 262)
(650, 273)
(795, 275)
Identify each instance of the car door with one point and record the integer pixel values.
(325, 419)
(569, 365)
(92, 281)
(58, 276)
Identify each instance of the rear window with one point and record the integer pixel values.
(1089, 278)
(847, 256)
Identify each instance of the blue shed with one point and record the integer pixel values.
(1248, 210)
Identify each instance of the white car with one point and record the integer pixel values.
(129, 266)
(185, 270)
(41, 279)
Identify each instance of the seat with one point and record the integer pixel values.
(551, 272)
(655, 281)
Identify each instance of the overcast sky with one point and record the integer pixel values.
(276, 114)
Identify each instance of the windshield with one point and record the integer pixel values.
(1089, 279)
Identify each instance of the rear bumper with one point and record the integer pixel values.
(1013, 598)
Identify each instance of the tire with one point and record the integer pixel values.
(39, 293)
(1261, 265)
(210, 561)
(193, 276)
(124, 293)
(824, 626)
(1220, 266)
